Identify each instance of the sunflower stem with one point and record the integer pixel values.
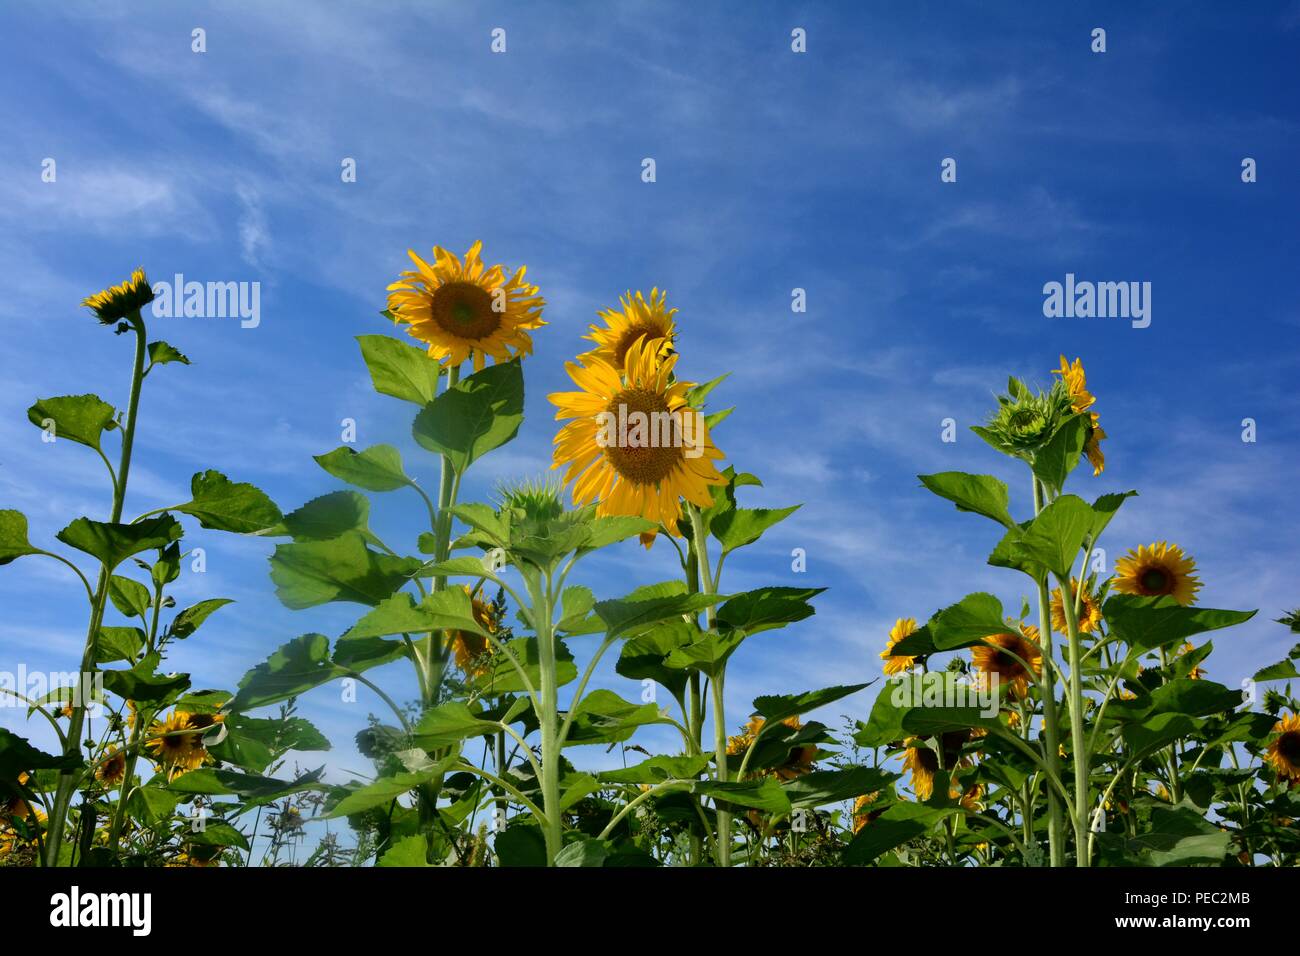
(72, 745)
(1055, 823)
(1077, 731)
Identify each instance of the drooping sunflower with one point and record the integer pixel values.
(1158, 569)
(1089, 617)
(1081, 400)
(862, 812)
(923, 764)
(1283, 754)
(636, 319)
(1006, 654)
(177, 742)
(112, 769)
(463, 309)
(117, 302)
(473, 650)
(898, 663)
(634, 444)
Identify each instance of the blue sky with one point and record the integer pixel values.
(775, 170)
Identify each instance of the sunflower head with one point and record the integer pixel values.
(636, 319)
(115, 303)
(473, 651)
(177, 742)
(1156, 570)
(112, 769)
(1089, 616)
(537, 499)
(898, 663)
(462, 309)
(634, 444)
(1009, 658)
(1074, 384)
(1283, 754)
(862, 812)
(923, 764)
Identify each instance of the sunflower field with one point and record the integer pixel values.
(1081, 728)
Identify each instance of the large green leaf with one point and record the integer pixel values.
(500, 676)
(646, 655)
(900, 823)
(409, 851)
(79, 418)
(1146, 623)
(118, 644)
(224, 505)
(17, 756)
(741, 526)
(400, 614)
(192, 618)
(13, 536)
(1055, 460)
(981, 494)
(399, 369)
(309, 573)
(448, 724)
(213, 781)
(143, 684)
(776, 708)
(326, 517)
(764, 794)
(631, 615)
(969, 621)
(478, 414)
(294, 668)
(765, 608)
(1054, 537)
(129, 596)
(821, 787)
(114, 543)
(658, 769)
(603, 717)
(385, 790)
(377, 468)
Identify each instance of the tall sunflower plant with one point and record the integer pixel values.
(137, 745)
(1106, 743)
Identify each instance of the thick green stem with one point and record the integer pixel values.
(1051, 727)
(1077, 729)
(72, 746)
(548, 720)
(700, 547)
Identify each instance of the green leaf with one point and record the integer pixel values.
(604, 717)
(584, 852)
(129, 596)
(13, 536)
(384, 791)
(969, 621)
(980, 494)
(255, 743)
(114, 543)
(309, 573)
(709, 654)
(79, 418)
(629, 616)
(211, 781)
(821, 787)
(118, 644)
(1054, 538)
(765, 608)
(741, 526)
(399, 369)
(1146, 623)
(658, 769)
(900, 823)
(406, 852)
(449, 724)
(775, 709)
(223, 505)
(441, 610)
(476, 415)
(500, 676)
(190, 619)
(1055, 460)
(217, 833)
(576, 604)
(160, 353)
(378, 468)
(325, 517)
(17, 756)
(294, 668)
(1157, 731)
(143, 684)
(646, 655)
(765, 794)
(614, 528)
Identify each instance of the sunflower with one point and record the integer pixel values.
(1006, 655)
(118, 301)
(177, 750)
(797, 763)
(112, 770)
(1284, 752)
(637, 319)
(631, 473)
(473, 650)
(924, 764)
(897, 664)
(1155, 570)
(1089, 615)
(1081, 400)
(464, 309)
(862, 812)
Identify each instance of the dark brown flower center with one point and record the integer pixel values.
(1155, 581)
(646, 441)
(464, 309)
(1288, 745)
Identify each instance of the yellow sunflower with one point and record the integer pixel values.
(1006, 655)
(472, 650)
(637, 319)
(862, 812)
(118, 301)
(799, 761)
(1196, 673)
(923, 764)
(463, 309)
(634, 444)
(1157, 569)
(897, 664)
(1089, 610)
(112, 769)
(177, 743)
(1081, 400)
(1283, 754)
